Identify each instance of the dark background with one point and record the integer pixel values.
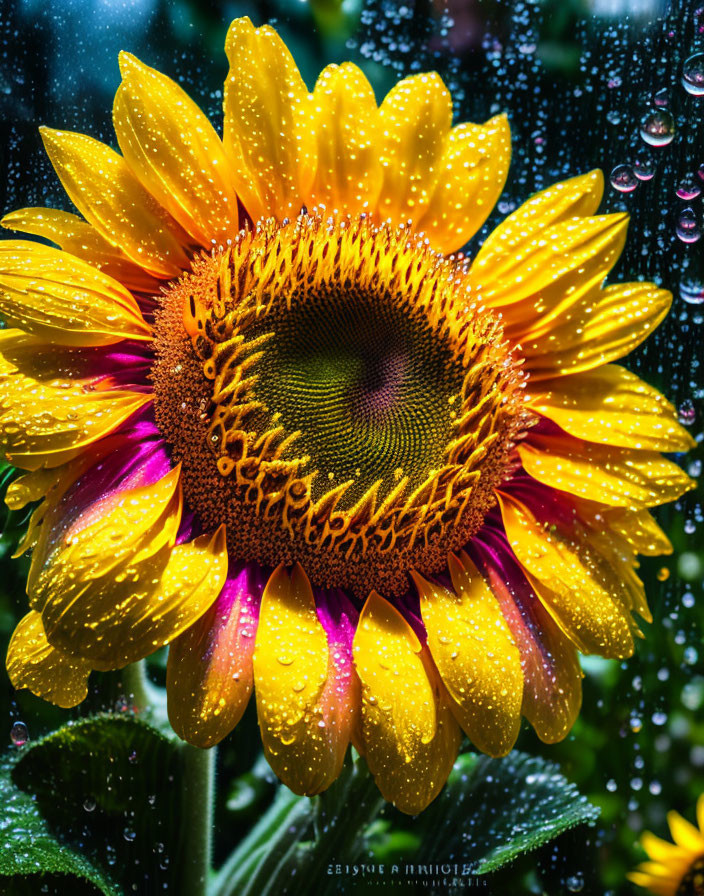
(576, 79)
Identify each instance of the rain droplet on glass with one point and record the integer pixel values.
(644, 167)
(689, 188)
(623, 179)
(657, 127)
(19, 734)
(693, 74)
(688, 227)
(692, 291)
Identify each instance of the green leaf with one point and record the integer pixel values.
(112, 784)
(490, 812)
(29, 851)
(493, 810)
(298, 837)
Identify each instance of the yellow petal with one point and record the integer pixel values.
(471, 175)
(612, 406)
(209, 676)
(664, 884)
(684, 833)
(303, 742)
(414, 120)
(576, 197)
(348, 176)
(50, 408)
(109, 196)
(410, 736)
(657, 870)
(603, 326)
(76, 236)
(475, 655)
(269, 132)
(172, 148)
(88, 553)
(63, 300)
(640, 530)
(55, 515)
(568, 254)
(30, 487)
(616, 476)
(49, 673)
(47, 486)
(568, 582)
(661, 851)
(616, 558)
(145, 604)
(552, 688)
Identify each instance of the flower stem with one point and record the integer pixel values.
(198, 785)
(297, 837)
(136, 686)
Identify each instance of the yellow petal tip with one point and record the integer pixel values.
(129, 64)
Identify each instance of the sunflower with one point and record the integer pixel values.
(674, 869)
(275, 423)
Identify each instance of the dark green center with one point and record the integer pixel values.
(371, 388)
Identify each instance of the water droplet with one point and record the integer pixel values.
(686, 412)
(661, 97)
(689, 188)
(19, 734)
(575, 883)
(623, 179)
(657, 127)
(693, 74)
(692, 291)
(644, 167)
(688, 227)
(129, 835)
(663, 574)
(89, 804)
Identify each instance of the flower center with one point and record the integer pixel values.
(338, 398)
(692, 884)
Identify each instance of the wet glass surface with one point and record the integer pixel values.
(610, 84)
